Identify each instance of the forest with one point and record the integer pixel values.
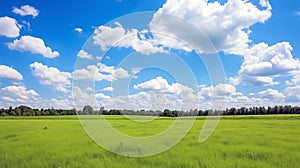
(23, 110)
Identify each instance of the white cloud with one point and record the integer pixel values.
(91, 73)
(27, 25)
(252, 80)
(174, 96)
(8, 99)
(106, 37)
(219, 91)
(108, 89)
(98, 57)
(79, 30)
(89, 89)
(51, 76)
(295, 79)
(101, 96)
(265, 3)
(120, 73)
(100, 72)
(159, 84)
(106, 69)
(226, 26)
(26, 10)
(140, 100)
(9, 73)
(135, 70)
(271, 94)
(84, 54)
(82, 98)
(57, 103)
(9, 27)
(292, 94)
(34, 45)
(251, 94)
(262, 63)
(18, 93)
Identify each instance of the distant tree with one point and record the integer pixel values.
(87, 110)
(287, 109)
(72, 112)
(18, 112)
(232, 111)
(175, 113)
(243, 111)
(276, 110)
(101, 110)
(52, 111)
(200, 113)
(25, 110)
(9, 111)
(167, 113)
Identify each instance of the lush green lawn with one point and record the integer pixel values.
(263, 141)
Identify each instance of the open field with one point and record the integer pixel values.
(238, 141)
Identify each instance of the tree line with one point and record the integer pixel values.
(28, 111)
(88, 110)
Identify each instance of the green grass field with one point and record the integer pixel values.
(238, 141)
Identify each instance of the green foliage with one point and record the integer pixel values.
(88, 110)
(28, 111)
(238, 141)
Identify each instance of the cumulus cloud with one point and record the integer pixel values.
(295, 79)
(150, 96)
(271, 94)
(172, 96)
(8, 99)
(100, 72)
(79, 30)
(265, 3)
(219, 91)
(135, 70)
(159, 84)
(51, 76)
(18, 94)
(91, 73)
(83, 97)
(226, 96)
(84, 54)
(9, 73)
(120, 73)
(57, 103)
(101, 96)
(34, 45)
(26, 10)
(262, 63)
(292, 94)
(106, 37)
(108, 89)
(226, 26)
(9, 27)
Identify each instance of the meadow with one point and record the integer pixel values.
(238, 141)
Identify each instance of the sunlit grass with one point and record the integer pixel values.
(242, 141)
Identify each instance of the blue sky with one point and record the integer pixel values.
(66, 54)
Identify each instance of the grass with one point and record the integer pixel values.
(238, 141)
